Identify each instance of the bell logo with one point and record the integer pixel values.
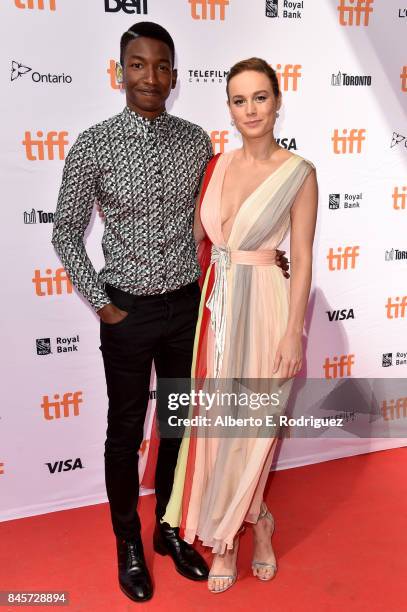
(288, 76)
(342, 260)
(335, 368)
(49, 284)
(53, 140)
(111, 71)
(203, 9)
(395, 409)
(352, 11)
(68, 406)
(36, 4)
(400, 198)
(403, 77)
(219, 139)
(396, 307)
(345, 143)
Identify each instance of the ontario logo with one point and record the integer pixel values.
(18, 70)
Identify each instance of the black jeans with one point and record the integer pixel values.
(159, 328)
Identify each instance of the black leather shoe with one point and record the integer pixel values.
(134, 578)
(188, 562)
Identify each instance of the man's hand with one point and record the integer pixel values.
(110, 314)
(282, 262)
(100, 212)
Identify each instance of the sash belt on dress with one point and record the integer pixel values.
(223, 257)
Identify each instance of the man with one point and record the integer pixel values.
(144, 167)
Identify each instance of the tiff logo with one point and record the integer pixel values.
(53, 140)
(403, 77)
(111, 71)
(395, 409)
(399, 199)
(50, 285)
(351, 12)
(36, 4)
(338, 369)
(346, 143)
(69, 405)
(203, 6)
(288, 76)
(341, 260)
(127, 6)
(1, 469)
(219, 139)
(395, 308)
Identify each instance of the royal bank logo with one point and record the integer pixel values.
(334, 201)
(350, 200)
(63, 344)
(387, 360)
(207, 76)
(343, 79)
(288, 9)
(19, 70)
(32, 217)
(43, 346)
(395, 255)
(398, 139)
(130, 7)
(398, 359)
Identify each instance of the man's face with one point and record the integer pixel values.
(148, 76)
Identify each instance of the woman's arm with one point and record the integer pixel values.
(303, 220)
(199, 232)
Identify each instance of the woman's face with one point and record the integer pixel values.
(252, 103)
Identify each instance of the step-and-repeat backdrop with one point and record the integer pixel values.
(342, 66)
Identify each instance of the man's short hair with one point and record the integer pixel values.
(149, 30)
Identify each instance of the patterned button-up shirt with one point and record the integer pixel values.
(145, 175)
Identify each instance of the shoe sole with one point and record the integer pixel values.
(164, 553)
(134, 598)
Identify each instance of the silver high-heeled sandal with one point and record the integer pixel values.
(231, 578)
(256, 565)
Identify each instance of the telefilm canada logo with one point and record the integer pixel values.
(402, 13)
(395, 255)
(207, 75)
(350, 200)
(343, 79)
(288, 9)
(63, 344)
(19, 70)
(32, 217)
(130, 7)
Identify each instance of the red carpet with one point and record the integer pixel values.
(340, 542)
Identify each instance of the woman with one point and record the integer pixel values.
(251, 320)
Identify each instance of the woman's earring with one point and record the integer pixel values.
(277, 114)
(119, 73)
(232, 122)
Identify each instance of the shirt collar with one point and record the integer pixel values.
(141, 126)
